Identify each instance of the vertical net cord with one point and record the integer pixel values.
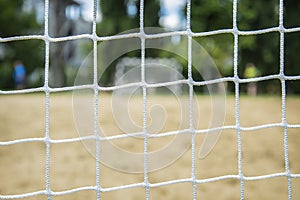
(283, 99)
(96, 98)
(237, 98)
(191, 92)
(47, 104)
(143, 80)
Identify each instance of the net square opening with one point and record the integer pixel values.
(22, 168)
(170, 165)
(117, 60)
(291, 59)
(22, 64)
(258, 55)
(118, 18)
(111, 177)
(263, 151)
(294, 150)
(258, 15)
(217, 162)
(214, 59)
(214, 105)
(27, 18)
(22, 116)
(71, 166)
(62, 122)
(121, 112)
(292, 103)
(205, 15)
(69, 18)
(290, 14)
(295, 188)
(255, 109)
(70, 63)
(271, 188)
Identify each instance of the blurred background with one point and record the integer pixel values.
(23, 116)
(73, 17)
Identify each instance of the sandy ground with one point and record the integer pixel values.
(22, 166)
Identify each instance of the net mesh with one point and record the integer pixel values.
(96, 88)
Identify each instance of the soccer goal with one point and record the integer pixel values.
(153, 74)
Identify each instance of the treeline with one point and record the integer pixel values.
(262, 50)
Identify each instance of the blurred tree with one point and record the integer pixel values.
(125, 15)
(262, 50)
(15, 21)
(23, 22)
(210, 15)
(121, 16)
(292, 59)
(62, 25)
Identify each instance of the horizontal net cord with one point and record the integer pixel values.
(25, 195)
(153, 85)
(149, 36)
(159, 135)
(151, 185)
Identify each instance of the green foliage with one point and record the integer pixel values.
(15, 21)
(211, 15)
(115, 18)
(151, 13)
(261, 50)
(6, 78)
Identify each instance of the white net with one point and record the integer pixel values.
(191, 83)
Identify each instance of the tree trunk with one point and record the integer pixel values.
(57, 18)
